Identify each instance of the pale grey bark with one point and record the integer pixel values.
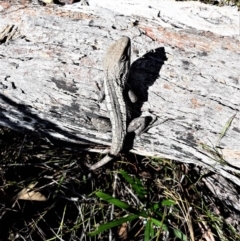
(51, 70)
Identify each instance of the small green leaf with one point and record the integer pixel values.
(112, 200)
(180, 235)
(121, 204)
(160, 224)
(112, 224)
(135, 183)
(156, 206)
(148, 230)
(168, 202)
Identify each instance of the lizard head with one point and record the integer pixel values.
(117, 61)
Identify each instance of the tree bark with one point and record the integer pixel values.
(185, 75)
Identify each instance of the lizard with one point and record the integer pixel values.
(116, 65)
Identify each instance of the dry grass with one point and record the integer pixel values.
(44, 195)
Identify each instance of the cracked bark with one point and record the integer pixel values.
(51, 70)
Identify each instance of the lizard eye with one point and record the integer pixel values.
(123, 58)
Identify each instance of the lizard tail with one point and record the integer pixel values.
(102, 162)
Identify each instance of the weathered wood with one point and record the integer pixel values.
(51, 70)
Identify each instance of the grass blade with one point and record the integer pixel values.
(112, 224)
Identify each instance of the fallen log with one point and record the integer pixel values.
(184, 74)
